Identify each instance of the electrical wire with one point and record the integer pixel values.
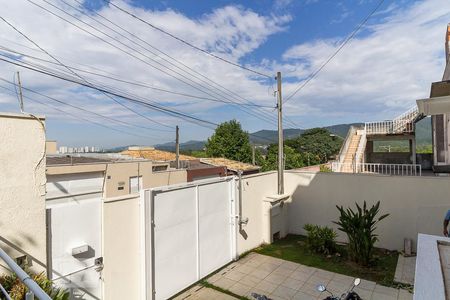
(133, 100)
(77, 75)
(82, 109)
(203, 77)
(185, 80)
(78, 117)
(186, 42)
(113, 77)
(345, 42)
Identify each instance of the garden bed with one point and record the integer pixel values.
(294, 248)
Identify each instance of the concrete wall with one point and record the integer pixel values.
(22, 189)
(415, 204)
(255, 188)
(121, 248)
(164, 178)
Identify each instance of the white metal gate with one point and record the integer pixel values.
(188, 232)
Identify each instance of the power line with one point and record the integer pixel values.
(135, 83)
(78, 117)
(345, 42)
(73, 72)
(203, 79)
(185, 80)
(140, 102)
(84, 110)
(186, 42)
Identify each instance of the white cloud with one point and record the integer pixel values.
(378, 75)
(231, 32)
(381, 72)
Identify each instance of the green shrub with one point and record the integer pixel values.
(320, 239)
(17, 289)
(325, 169)
(360, 227)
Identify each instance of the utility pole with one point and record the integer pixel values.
(253, 155)
(177, 147)
(280, 138)
(20, 92)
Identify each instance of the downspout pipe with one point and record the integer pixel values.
(241, 221)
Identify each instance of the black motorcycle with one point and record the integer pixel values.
(349, 295)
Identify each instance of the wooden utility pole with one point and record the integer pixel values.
(20, 92)
(253, 155)
(280, 138)
(177, 147)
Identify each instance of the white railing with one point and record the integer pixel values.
(34, 288)
(359, 155)
(375, 168)
(401, 124)
(344, 148)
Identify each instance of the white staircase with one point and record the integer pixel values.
(401, 124)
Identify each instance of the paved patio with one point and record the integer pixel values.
(199, 292)
(280, 279)
(405, 271)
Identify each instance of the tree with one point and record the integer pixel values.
(230, 141)
(318, 142)
(293, 160)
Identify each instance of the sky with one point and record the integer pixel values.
(379, 74)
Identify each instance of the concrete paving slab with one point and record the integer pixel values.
(405, 270)
(286, 280)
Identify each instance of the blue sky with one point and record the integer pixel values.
(378, 75)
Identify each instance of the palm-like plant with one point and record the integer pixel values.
(360, 228)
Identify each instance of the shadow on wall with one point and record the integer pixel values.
(415, 204)
(16, 245)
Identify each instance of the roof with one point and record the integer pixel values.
(155, 155)
(232, 165)
(74, 160)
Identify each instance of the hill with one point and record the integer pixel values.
(262, 137)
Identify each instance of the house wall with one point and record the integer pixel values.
(118, 176)
(166, 178)
(415, 204)
(22, 190)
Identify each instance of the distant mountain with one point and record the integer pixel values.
(271, 136)
(118, 149)
(262, 137)
(189, 145)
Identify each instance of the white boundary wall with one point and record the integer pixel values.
(415, 204)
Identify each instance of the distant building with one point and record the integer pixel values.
(233, 167)
(196, 170)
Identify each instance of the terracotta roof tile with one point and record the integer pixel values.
(155, 155)
(230, 164)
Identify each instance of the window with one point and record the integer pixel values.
(135, 184)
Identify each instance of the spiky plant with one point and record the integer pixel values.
(360, 228)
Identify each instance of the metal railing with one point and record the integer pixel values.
(34, 288)
(375, 168)
(346, 144)
(401, 124)
(359, 155)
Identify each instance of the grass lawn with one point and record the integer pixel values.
(293, 248)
